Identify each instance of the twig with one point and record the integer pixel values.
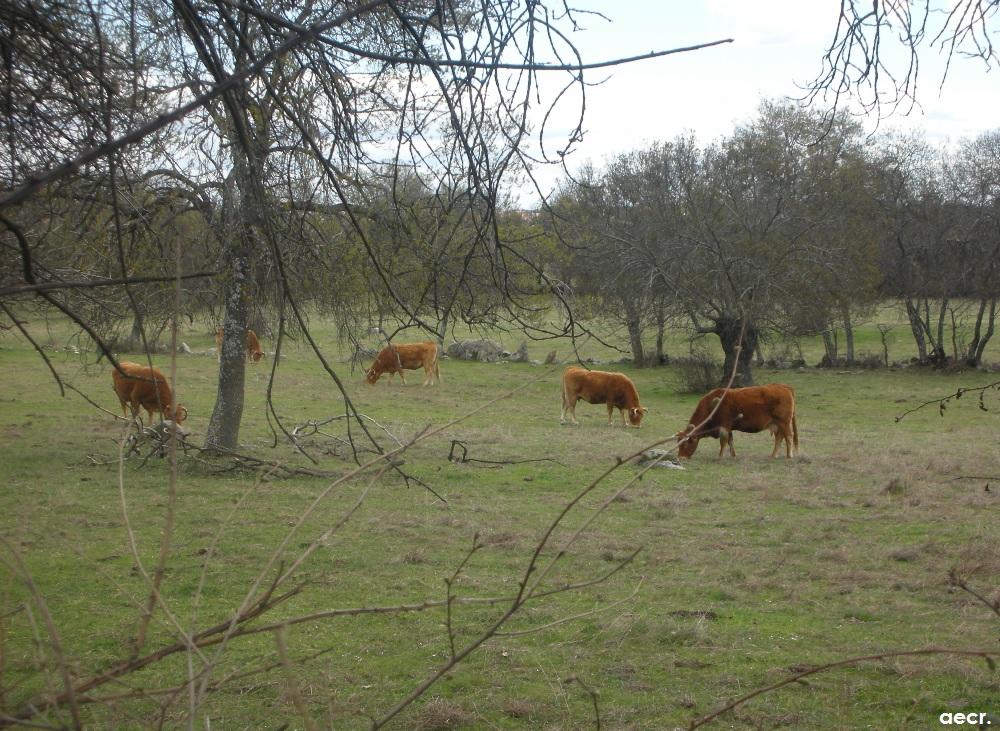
(581, 615)
(291, 684)
(450, 583)
(465, 459)
(955, 580)
(943, 402)
(987, 655)
(19, 568)
(593, 697)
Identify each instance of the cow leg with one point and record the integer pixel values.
(779, 434)
(402, 377)
(787, 436)
(611, 413)
(725, 439)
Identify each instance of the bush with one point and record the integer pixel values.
(699, 372)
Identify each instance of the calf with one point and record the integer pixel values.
(254, 352)
(600, 387)
(750, 409)
(146, 387)
(395, 358)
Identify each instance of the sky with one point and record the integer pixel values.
(777, 44)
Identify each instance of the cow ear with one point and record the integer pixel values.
(716, 401)
(690, 427)
(644, 410)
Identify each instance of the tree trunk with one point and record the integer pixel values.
(830, 348)
(244, 211)
(848, 334)
(633, 321)
(939, 341)
(917, 328)
(974, 357)
(224, 426)
(661, 322)
(442, 327)
(728, 329)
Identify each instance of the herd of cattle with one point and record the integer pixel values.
(719, 413)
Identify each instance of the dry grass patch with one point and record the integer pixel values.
(439, 714)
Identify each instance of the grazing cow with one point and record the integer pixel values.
(751, 409)
(395, 358)
(600, 387)
(147, 387)
(254, 353)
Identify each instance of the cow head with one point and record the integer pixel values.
(690, 443)
(256, 355)
(635, 415)
(371, 376)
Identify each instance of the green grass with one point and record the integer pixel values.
(749, 569)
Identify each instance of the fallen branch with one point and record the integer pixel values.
(465, 459)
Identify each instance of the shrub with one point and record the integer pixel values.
(699, 372)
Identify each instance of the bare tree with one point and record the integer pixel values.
(875, 52)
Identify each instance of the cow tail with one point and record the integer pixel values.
(437, 362)
(795, 432)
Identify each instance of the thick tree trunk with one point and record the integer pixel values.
(738, 353)
(224, 426)
(245, 211)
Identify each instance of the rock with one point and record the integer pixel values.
(184, 348)
(485, 351)
(661, 458)
(521, 354)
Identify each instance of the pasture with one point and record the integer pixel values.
(748, 570)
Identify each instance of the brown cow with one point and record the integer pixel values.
(395, 358)
(254, 352)
(600, 387)
(147, 387)
(751, 409)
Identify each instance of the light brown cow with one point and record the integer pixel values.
(146, 387)
(254, 352)
(395, 358)
(751, 409)
(600, 387)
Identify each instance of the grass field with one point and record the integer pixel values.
(749, 569)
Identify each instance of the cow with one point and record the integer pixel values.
(601, 387)
(751, 409)
(146, 386)
(395, 358)
(254, 352)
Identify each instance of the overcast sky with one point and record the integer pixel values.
(777, 44)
